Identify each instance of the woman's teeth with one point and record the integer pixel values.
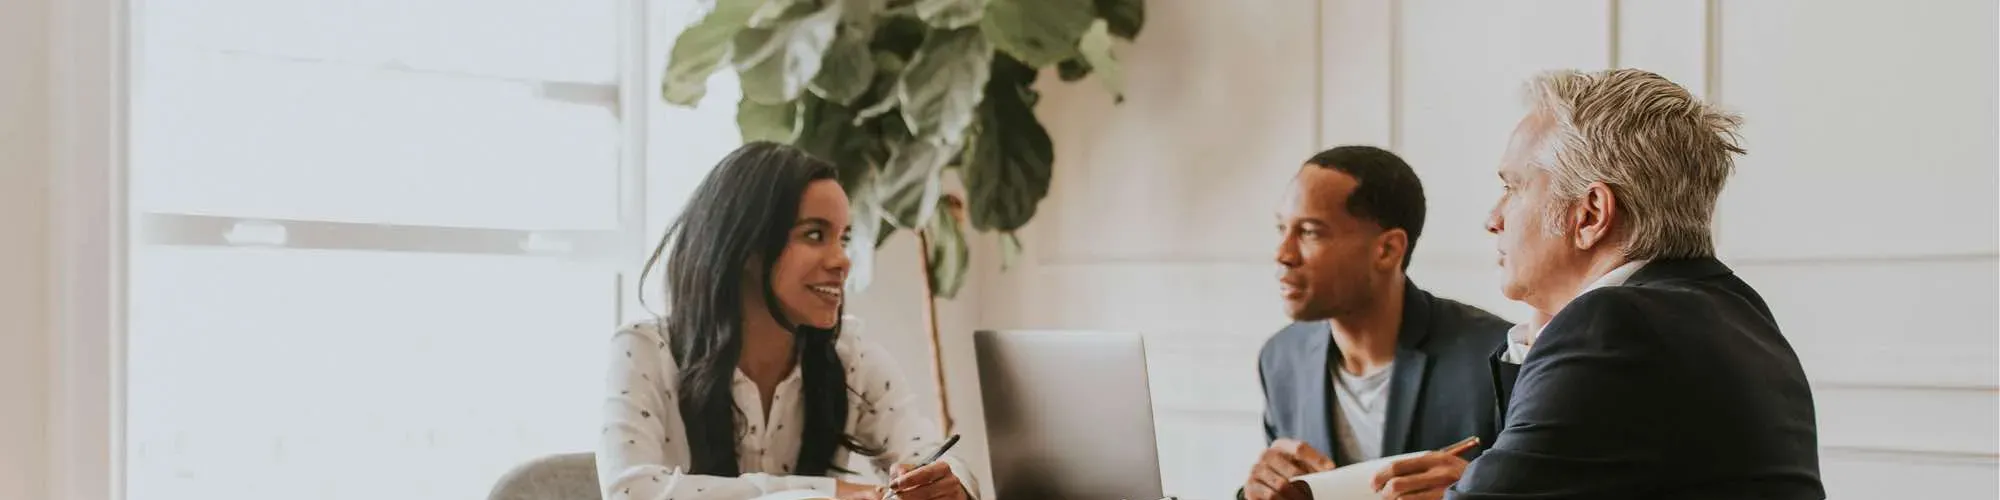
(830, 291)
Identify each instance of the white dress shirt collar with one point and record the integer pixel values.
(1522, 336)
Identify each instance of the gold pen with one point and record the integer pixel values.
(1460, 447)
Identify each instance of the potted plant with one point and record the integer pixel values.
(895, 92)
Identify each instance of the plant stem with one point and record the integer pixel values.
(931, 323)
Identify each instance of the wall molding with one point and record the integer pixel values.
(1711, 57)
(89, 60)
(1457, 260)
(1396, 77)
(1612, 43)
(1894, 455)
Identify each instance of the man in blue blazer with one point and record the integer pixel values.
(1373, 366)
(1659, 373)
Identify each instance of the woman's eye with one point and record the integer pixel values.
(815, 235)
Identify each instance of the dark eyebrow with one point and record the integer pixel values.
(820, 222)
(1311, 221)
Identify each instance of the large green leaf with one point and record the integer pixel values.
(1038, 32)
(941, 88)
(950, 255)
(699, 50)
(900, 36)
(950, 14)
(1010, 250)
(773, 11)
(1011, 155)
(767, 122)
(775, 63)
(1096, 48)
(849, 67)
(909, 185)
(866, 222)
(825, 132)
(1126, 16)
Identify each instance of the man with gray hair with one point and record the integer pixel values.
(1657, 373)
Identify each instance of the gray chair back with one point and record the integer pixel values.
(569, 476)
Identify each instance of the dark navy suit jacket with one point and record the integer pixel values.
(1676, 385)
(1440, 392)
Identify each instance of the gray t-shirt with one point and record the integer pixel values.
(1364, 406)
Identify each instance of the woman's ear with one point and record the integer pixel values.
(753, 273)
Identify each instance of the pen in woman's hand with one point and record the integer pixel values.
(948, 443)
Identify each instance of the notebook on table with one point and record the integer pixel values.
(1350, 482)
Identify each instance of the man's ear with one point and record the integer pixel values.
(1594, 216)
(1391, 248)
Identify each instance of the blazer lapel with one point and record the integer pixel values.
(1406, 384)
(1504, 374)
(1315, 415)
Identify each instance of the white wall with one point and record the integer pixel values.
(24, 256)
(1865, 211)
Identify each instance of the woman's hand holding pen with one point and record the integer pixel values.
(929, 482)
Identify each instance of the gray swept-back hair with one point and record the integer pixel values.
(1664, 153)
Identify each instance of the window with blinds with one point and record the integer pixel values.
(379, 245)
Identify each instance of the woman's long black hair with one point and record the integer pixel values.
(743, 211)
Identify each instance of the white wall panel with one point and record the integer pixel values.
(1950, 421)
(1218, 113)
(1927, 323)
(1462, 65)
(1870, 126)
(1358, 72)
(1206, 456)
(1669, 37)
(1869, 476)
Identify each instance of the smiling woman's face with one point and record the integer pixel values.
(810, 272)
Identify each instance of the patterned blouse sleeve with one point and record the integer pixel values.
(642, 452)
(887, 413)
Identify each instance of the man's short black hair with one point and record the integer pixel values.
(1387, 190)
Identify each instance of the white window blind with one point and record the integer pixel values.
(380, 244)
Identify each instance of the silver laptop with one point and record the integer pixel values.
(1069, 415)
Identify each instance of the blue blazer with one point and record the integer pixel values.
(1441, 390)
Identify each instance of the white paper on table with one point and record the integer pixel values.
(796, 495)
(1350, 482)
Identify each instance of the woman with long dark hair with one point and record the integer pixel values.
(754, 382)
